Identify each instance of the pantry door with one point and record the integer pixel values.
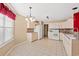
(45, 30)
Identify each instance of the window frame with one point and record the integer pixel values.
(4, 41)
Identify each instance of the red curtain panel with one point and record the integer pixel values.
(76, 22)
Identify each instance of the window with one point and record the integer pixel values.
(6, 28)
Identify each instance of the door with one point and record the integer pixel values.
(45, 30)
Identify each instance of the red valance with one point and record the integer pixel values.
(1, 6)
(5, 10)
(11, 14)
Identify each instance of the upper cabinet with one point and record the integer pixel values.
(68, 23)
(65, 24)
(54, 25)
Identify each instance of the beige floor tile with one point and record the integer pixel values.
(43, 47)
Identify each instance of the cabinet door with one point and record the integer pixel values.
(29, 37)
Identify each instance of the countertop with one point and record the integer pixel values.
(69, 36)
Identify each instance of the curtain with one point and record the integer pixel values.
(5, 11)
(7, 18)
(10, 14)
(76, 22)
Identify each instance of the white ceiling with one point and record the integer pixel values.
(55, 11)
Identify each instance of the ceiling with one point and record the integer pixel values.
(55, 11)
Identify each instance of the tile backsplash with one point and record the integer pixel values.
(68, 31)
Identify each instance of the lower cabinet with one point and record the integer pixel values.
(67, 43)
(71, 45)
(32, 36)
(75, 47)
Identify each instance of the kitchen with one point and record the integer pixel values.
(41, 29)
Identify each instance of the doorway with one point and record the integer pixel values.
(45, 30)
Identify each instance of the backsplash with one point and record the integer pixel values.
(30, 29)
(64, 30)
(68, 31)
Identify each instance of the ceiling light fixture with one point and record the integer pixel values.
(30, 17)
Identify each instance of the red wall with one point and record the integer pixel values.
(76, 22)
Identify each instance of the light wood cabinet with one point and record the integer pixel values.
(32, 36)
(65, 24)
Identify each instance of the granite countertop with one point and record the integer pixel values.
(70, 36)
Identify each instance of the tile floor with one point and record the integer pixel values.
(43, 47)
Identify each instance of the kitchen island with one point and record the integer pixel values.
(71, 44)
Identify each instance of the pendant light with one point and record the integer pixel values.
(30, 17)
